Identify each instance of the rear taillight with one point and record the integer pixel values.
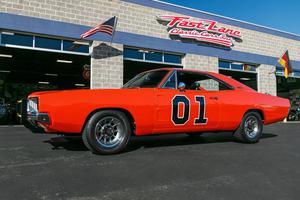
(32, 105)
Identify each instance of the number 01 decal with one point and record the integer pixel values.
(183, 118)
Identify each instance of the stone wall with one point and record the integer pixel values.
(108, 71)
(266, 79)
(138, 19)
(107, 65)
(198, 62)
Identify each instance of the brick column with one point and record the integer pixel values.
(202, 63)
(266, 79)
(106, 65)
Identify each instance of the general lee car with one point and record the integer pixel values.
(160, 101)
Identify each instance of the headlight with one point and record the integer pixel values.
(32, 105)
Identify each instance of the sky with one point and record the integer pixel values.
(279, 14)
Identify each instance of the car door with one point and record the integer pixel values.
(185, 110)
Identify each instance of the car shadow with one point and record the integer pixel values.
(183, 140)
(59, 143)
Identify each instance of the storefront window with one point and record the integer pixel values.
(16, 39)
(47, 43)
(32, 41)
(280, 72)
(171, 58)
(296, 74)
(133, 53)
(223, 64)
(237, 66)
(153, 56)
(70, 46)
(247, 67)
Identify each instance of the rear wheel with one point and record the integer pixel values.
(107, 132)
(250, 130)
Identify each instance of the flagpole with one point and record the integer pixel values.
(115, 24)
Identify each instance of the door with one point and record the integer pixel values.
(195, 108)
(185, 111)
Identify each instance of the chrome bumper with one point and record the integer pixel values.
(32, 120)
(38, 117)
(35, 121)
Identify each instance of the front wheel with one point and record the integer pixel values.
(107, 132)
(250, 130)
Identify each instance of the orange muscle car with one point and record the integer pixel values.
(160, 101)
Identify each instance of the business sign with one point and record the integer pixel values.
(202, 30)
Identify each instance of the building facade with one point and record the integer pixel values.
(143, 40)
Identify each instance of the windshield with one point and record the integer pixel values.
(147, 80)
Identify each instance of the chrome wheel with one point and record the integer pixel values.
(251, 127)
(109, 132)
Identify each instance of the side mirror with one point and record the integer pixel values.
(181, 86)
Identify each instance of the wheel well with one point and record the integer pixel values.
(260, 112)
(126, 112)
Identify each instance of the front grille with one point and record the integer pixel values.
(32, 105)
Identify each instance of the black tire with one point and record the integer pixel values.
(98, 128)
(244, 133)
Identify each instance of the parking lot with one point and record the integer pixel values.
(212, 166)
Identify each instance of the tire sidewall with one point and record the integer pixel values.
(243, 134)
(90, 132)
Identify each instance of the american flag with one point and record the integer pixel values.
(106, 27)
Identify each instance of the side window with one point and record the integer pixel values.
(171, 82)
(209, 84)
(197, 81)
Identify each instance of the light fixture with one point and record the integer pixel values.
(51, 74)
(65, 61)
(245, 79)
(42, 82)
(4, 71)
(6, 56)
(236, 63)
(81, 43)
(7, 33)
(79, 85)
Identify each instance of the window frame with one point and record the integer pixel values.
(125, 86)
(230, 87)
(145, 51)
(34, 47)
(174, 72)
(231, 62)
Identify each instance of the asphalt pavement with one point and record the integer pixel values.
(212, 166)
